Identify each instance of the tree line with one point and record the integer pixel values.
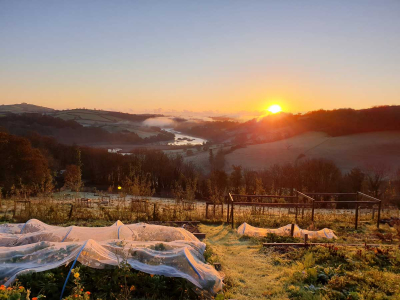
(37, 165)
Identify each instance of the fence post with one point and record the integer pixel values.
(70, 212)
(154, 211)
(206, 210)
(292, 230)
(379, 214)
(296, 213)
(356, 221)
(227, 212)
(305, 239)
(232, 214)
(312, 211)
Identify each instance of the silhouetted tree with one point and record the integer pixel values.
(73, 178)
(23, 169)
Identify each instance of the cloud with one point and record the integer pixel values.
(160, 122)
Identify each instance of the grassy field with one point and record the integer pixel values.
(249, 273)
(320, 272)
(358, 150)
(346, 152)
(106, 121)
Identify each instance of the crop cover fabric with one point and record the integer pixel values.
(160, 250)
(246, 229)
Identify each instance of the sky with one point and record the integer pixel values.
(201, 56)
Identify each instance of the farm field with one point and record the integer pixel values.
(347, 152)
(250, 270)
(358, 150)
(106, 121)
(254, 272)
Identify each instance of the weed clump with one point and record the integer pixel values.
(330, 272)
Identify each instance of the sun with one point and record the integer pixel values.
(274, 109)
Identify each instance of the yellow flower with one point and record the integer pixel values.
(76, 275)
(132, 288)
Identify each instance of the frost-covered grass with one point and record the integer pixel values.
(322, 272)
(251, 271)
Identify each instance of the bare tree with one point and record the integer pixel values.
(73, 178)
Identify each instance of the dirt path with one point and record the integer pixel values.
(252, 274)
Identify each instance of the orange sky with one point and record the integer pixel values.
(228, 56)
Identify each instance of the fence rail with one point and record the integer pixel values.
(231, 203)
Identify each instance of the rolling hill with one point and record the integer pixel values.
(362, 150)
(25, 108)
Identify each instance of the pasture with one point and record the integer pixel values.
(364, 150)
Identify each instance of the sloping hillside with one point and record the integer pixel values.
(357, 150)
(25, 108)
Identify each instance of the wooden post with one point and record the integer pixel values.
(206, 210)
(292, 230)
(305, 239)
(356, 221)
(214, 210)
(70, 212)
(154, 211)
(379, 214)
(296, 212)
(227, 212)
(312, 212)
(232, 214)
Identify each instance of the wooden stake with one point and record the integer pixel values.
(356, 221)
(379, 214)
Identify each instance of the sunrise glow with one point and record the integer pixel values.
(274, 109)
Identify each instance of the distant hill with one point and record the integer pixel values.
(90, 116)
(71, 132)
(270, 128)
(25, 108)
(362, 150)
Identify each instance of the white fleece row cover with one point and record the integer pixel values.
(160, 250)
(246, 229)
